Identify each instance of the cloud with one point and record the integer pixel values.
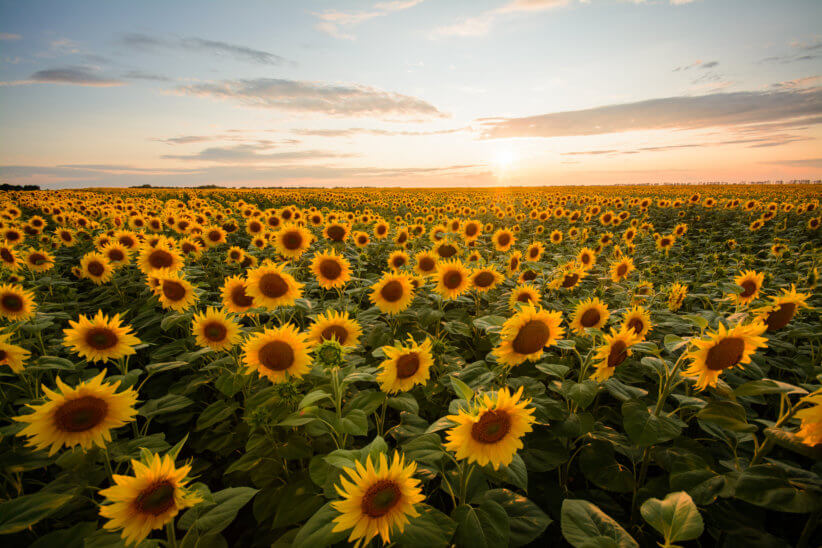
(184, 139)
(142, 75)
(215, 47)
(253, 153)
(350, 132)
(684, 112)
(807, 162)
(698, 64)
(9, 36)
(807, 51)
(332, 21)
(318, 97)
(759, 142)
(76, 76)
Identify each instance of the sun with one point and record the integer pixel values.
(504, 158)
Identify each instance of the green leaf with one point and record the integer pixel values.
(767, 386)
(316, 533)
(697, 320)
(527, 521)
(209, 518)
(23, 512)
(582, 393)
(483, 527)
(673, 342)
(214, 413)
(313, 397)
(404, 402)
(599, 465)
(462, 390)
(425, 448)
(164, 366)
(174, 451)
(584, 525)
(769, 486)
(676, 517)
(167, 404)
(727, 415)
(354, 423)
(791, 441)
(646, 429)
(366, 401)
(66, 538)
(431, 529)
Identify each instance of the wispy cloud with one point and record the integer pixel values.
(9, 36)
(333, 22)
(802, 50)
(75, 76)
(316, 97)
(698, 64)
(253, 153)
(703, 111)
(807, 162)
(143, 75)
(350, 132)
(770, 141)
(214, 47)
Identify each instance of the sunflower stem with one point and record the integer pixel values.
(171, 535)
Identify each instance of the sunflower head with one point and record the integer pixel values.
(100, 338)
(291, 241)
(637, 320)
(16, 303)
(173, 290)
(337, 326)
(393, 293)
(215, 329)
(589, 314)
(524, 294)
(723, 349)
(783, 308)
(405, 366)
(331, 269)
(96, 267)
(614, 351)
(525, 335)
(452, 278)
(271, 286)
(485, 279)
(279, 354)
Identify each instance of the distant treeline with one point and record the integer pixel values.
(6, 186)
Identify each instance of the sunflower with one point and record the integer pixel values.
(214, 236)
(8, 258)
(338, 232)
(638, 320)
(271, 286)
(148, 500)
(161, 257)
(291, 241)
(405, 366)
(527, 333)
(426, 263)
(503, 239)
(724, 349)
(116, 253)
(491, 431)
(810, 428)
(393, 293)
(174, 291)
(377, 500)
(37, 260)
(280, 353)
(569, 279)
(381, 230)
(331, 269)
(397, 260)
(83, 415)
(665, 243)
(96, 267)
(613, 352)
(361, 239)
(783, 308)
(534, 252)
(234, 296)
(190, 247)
(335, 325)
(12, 355)
(556, 237)
(446, 250)
(16, 303)
(589, 314)
(452, 279)
(676, 296)
(751, 283)
(525, 293)
(485, 279)
(620, 269)
(215, 329)
(234, 255)
(100, 339)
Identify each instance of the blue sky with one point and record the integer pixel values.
(409, 92)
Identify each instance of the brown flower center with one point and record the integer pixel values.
(749, 289)
(215, 331)
(398, 261)
(332, 331)
(336, 233)
(95, 268)
(273, 285)
(504, 239)
(570, 280)
(446, 250)
(407, 365)
(6, 255)
(471, 229)
(617, 354)
(529, 275)
(514, 263)
(116, 255)
(160, 258)
(174, 291)
(380, 498)
(276, 355)
(12, 302)
(330, 269)
(483, 279)
(637, 325)
(80, 414)
(590, 317)
(492, 427)
(532, 337)
(292, 240)
(778, 319)
(156, 499)
(382, 229)
(215, 235)
(524, 297)
(726, 353)
(427, 264)
(392, 291)
(239, 297)
(101, 338)
(452, 279)
(3, 355)
(622, 269)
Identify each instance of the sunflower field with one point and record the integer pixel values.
(571, 366)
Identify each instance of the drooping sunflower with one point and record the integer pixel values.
(524, 294)
(589, 314)
(723, 349)
(148, 500)
(405, 366)
(12, 355)
(215, 329)
(638, 320)
(426, 263)
(38, 260)
(161, 257)
(503, 239)
(335, 325)
(174, 291)
(810, 428)
(100, 339)
(676, 296)
(613, 352)
(234, 296)
(83, 415)
(291, 241)
(491, 432)
(527, 333)
(485, 279)
(453, 279)
(96, 267)
(621, 268)
(783, 308)
(331, 269)
(271, 286)
(513, 263)
(393, 293)
(16, 303)
(378, 500)
(751, 283)
(280, 354)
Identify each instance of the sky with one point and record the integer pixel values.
(409, 92)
